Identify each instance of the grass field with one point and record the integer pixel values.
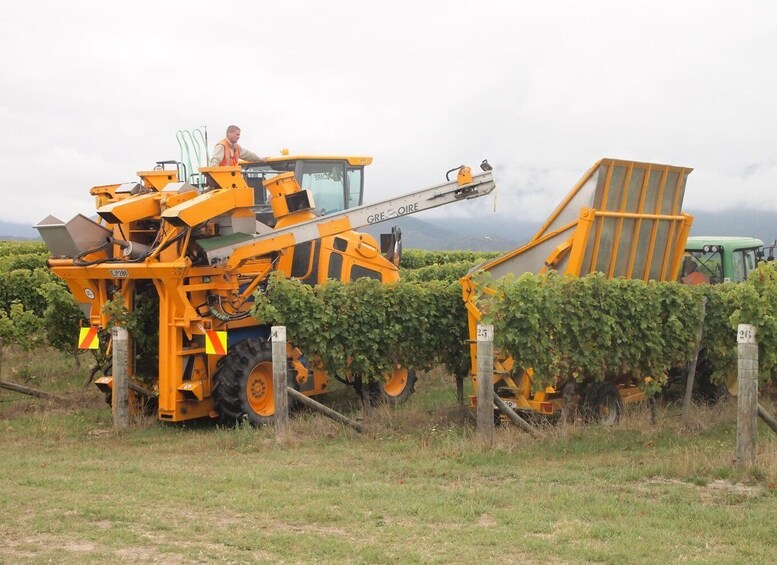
(417, 488)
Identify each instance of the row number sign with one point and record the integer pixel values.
(485, 332)
(745, 333)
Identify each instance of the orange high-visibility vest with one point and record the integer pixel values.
(696, 278)
(230, 157)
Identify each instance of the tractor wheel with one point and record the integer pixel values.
(243, 386)
(396, 387)
(604, 403)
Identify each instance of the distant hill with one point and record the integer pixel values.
(477, 234)
(496, 232)
(738, 222)
(11, 230)
(446, 234)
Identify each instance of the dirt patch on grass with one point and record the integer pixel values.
(150, 555)
(739, 489)
(36, 545)
(486, 520)
(716, 491)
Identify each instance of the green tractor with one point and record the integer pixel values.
(713, 260)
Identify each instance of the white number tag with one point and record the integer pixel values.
(745, 333)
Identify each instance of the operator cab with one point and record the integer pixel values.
(337, 183)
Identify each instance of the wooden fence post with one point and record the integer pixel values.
(513, 416)
(279, 380)
(328, 412)
(694, 362)
(567, 395)
(768, 419)
(30, 391)
(120, 370)
(747, 399)
(485, 392)
(460, 389)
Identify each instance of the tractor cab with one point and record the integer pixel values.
(336, 183)
(721, 259)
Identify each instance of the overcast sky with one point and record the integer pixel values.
(94, 91)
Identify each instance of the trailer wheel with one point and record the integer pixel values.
(243, 386)
(607, 405)
(394, 388)
(704, 390)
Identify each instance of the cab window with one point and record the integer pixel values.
(326, 180)
(355, 186)
(709, 264)
(744, 262)
(358, 272)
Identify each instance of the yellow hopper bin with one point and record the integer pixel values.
(622, 218)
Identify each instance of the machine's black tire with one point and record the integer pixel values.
(709, 393)
(704, 390)
(151, 406)
(242, 386)
(605, 404)
(393, 390)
